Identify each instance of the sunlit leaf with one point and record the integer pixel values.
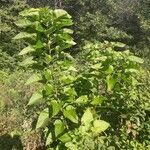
(35, 99)
(43, 118)
(30, 12)
(39, 45)
(99, 126)
(87, 117)
(27, 50)
(135, 59)
(110, 82)
(71, 68)
(67, 79)
(61, 13)
(24, 23)
(49, 89)
(34, 78)
(65, 138)
(65, 30)
(71, 42)
(70, 113)
(56, 107)
(49, 139)
(24, 35)
(39, 27)
(70, 91)
(28, 61)
(59, 127)
(82, 99)
(97, 100)
(110, 69)
(96, 66)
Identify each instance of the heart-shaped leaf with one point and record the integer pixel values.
(70, 113)
(43, 118)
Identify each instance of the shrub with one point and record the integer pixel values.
(78, 97)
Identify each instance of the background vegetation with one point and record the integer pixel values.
(126, 107)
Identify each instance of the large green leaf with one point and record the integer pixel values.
(65, 138)
(135, 59)
(24, 23)
(82, 99)
(56, 107)
(59, 127)
(34, 78)
(49, 139)
(30, 12)
(68, 56)
(71, 42)
(67, 79)
(69, 31)
(73, 69)
(110, 70)
(39, 27)
(27, 50)
(87, 117)
(49, 89)
(118, 44)
(96, 66)
(43, 118)
(35, 99)
(61, 13)
(97, 100)
(110, 82)
(39, 44)
(99, 126)
(24, 35)
(69, 91)
(48, 74)
(70, 113)
(28, 61)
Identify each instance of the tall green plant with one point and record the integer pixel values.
(69, 97)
